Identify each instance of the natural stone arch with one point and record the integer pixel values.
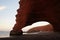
(28, 13)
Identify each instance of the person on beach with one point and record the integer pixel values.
(31, 11)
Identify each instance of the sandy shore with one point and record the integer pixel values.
(35, 36)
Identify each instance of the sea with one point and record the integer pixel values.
(4, 34)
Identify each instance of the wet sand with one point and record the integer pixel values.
(35, 36)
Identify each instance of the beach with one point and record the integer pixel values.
(34, 36)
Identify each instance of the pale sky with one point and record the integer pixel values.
(36, 24)
(7, 14)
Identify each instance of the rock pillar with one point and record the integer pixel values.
(31, 11)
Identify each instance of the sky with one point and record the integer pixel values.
(7, 14)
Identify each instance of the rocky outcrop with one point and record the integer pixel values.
(31, 11)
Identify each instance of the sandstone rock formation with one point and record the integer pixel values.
(31, 11)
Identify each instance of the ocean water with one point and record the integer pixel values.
(4, 34)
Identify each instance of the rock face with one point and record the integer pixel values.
(31, 11)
